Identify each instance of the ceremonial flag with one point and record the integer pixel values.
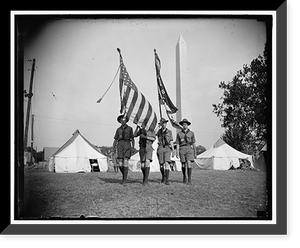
(162, 92)
(133, 103)
(163, 96)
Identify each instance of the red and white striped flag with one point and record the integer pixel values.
(133, 102)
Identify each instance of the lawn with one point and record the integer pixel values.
(216, 194)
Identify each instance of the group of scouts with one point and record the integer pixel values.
(185, 149)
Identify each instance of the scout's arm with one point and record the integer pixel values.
(115, 140)
(177, 145)
(137, 131)
(195, 150)
(115, 144)
(194, 145)
(151, 136)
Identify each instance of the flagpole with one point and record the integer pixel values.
(121, 93)
(159, 105)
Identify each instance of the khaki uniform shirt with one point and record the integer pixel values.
(185, 138)
(164, 137)
(124, 133)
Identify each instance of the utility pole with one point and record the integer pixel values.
(31, 150)
(29, 95)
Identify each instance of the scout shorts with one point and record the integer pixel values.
(164, 154)
(186, 153)
(124, 150)
(146, 153)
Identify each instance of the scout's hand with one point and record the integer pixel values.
(177, 156)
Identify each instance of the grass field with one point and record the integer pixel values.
(232, 194)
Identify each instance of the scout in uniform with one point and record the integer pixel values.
(186, 149)
(146, 139)
(165, 147)
(123, 142)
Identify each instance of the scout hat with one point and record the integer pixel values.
(185, 121)
(162, 120)
(121, 116)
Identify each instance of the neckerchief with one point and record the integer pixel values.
(185, 133)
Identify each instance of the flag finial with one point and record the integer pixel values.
(118, 49)
(154, 50)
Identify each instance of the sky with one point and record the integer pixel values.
(77, 59)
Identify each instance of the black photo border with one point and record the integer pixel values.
(281, 226)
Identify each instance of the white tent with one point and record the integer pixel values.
(135, 164)
(75, 155)
(221, 156)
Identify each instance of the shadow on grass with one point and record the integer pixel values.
(119, 180)
(134, 181)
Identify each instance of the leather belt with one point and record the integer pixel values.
(185, 145)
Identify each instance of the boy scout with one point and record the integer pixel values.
(165, 146)
(146, 139)
(186, 149)
(123, 141)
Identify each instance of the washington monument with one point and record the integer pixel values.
(183, 95)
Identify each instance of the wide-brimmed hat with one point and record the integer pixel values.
(185, 121)
(121, 116)
(162, 120)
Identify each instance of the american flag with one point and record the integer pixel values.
(133, 102)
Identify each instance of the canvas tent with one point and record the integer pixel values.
(135, 165)
(221, 156)
(75, 155)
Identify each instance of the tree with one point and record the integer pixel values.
(106, 150)
(244, 107)
(200, 149)
(40, 156)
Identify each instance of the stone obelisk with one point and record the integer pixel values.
(183, 95)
